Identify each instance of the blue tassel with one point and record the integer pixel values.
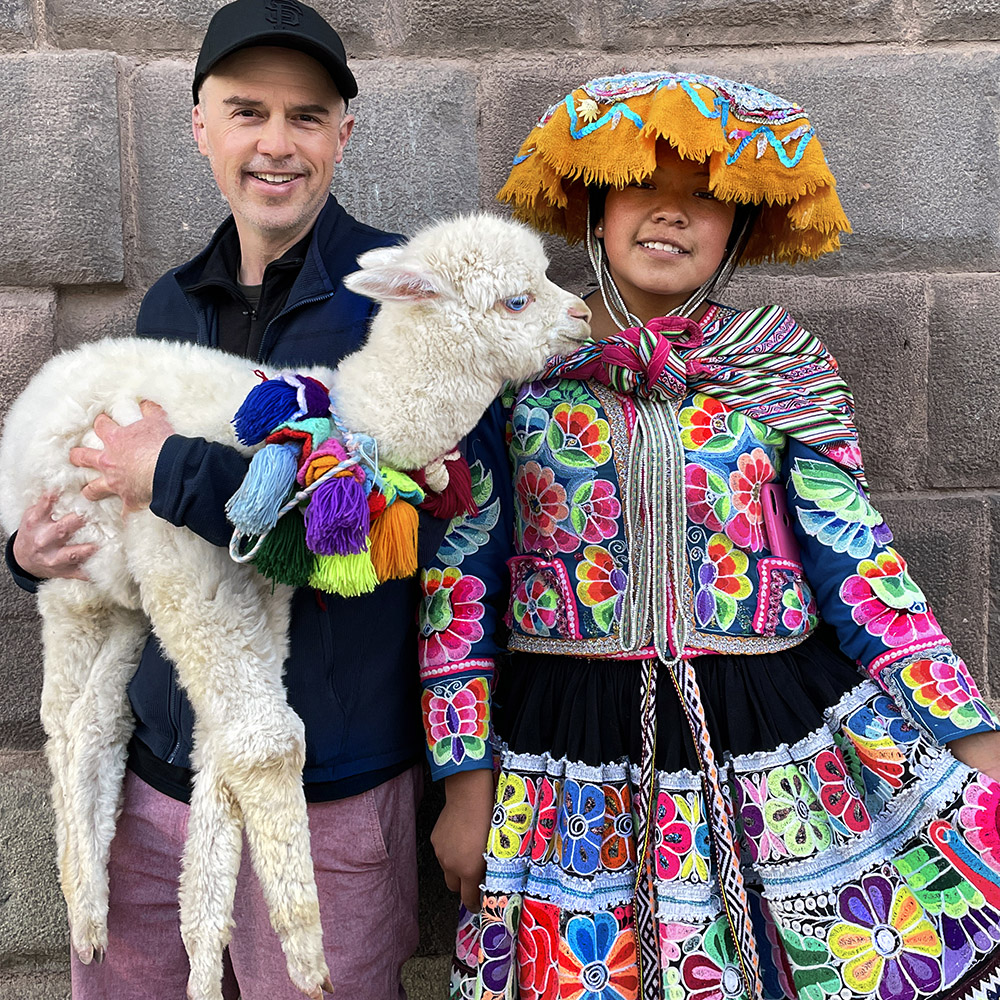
(253, 508)
(267, 405)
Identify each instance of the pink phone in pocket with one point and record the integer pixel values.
(777, 523)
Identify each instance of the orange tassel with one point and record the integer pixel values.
(393, 542)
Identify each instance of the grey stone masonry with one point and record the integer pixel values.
(15, 24)
(62, 221)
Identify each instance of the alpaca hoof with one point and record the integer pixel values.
(327, 985)
(85, 954)
(99, 955)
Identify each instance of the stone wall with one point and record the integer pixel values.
(101, 189)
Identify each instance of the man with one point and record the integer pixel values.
(271, 89)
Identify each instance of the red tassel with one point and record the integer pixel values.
(456, 498)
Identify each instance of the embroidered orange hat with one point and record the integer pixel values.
(761, 150)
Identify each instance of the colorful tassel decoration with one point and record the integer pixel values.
(313, 397)
(393, 541)
(337, 517)
(348, 576)
(283, 555)
(402, 484)
(456, 498)
(267, 405)
(253, 508)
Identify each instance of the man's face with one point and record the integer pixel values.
(273, 127)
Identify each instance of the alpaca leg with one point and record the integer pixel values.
(218, 623)
(91, 650)
(208, 876)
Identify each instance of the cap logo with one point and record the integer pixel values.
(283, 13)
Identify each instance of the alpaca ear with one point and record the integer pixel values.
(385, 278)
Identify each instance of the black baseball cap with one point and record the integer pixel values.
(288, 24)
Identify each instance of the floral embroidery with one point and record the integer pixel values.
(527, 429)
(750, 795)
(512, 816)
(535, 604)
(450, 615)
(887, 941)
(538, 950)
(710, 425)
(542, 838)
(814, 978)
(711, 974)
(617, 843)
(467, 534)
(455, 720)
(601, 585)
(799, 614)
(499, 920)
(980, 817)
(794, 813)
(877, 750)
(885, 600)
(947, 691)
(838, 792)
(673, 838)
(722, 581)
(580, 826)
(595, 510)
(708, 499)
(542, 505)
(695, 862)
(578, 437)
(753, 471)
(597, 960)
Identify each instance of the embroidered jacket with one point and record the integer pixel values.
(547, 556)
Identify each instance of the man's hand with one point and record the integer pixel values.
(128, 460)
(460, 834)
(42, 545)
(980, 751)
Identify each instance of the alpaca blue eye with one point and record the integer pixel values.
(517, 303)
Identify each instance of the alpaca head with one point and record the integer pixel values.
(478, 284)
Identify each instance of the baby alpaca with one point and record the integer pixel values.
(467, 306)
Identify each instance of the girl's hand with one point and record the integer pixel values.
(980, 751)
(460, 834)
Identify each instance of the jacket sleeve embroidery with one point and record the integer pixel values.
(864, 590)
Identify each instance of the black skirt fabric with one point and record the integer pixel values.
(587, 710)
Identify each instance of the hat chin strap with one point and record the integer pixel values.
(619, 312)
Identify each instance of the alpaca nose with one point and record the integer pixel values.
(580, 310)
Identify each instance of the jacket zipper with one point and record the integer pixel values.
(284, 312)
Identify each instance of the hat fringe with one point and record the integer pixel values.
(763, 154)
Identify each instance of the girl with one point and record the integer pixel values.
(723, 724)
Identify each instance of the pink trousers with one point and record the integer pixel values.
(364, 853)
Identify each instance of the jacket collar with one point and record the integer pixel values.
(328, 258)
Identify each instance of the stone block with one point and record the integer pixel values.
(26, 338)
(637, 25)
(963, 419)
(60, 195)
(32, 913)
(31, 981)
(413, 155)
(945, 541)
(877, 329)
(426, 978)
(15, 24)
(957, 20)
(178, 204)
(146, 26)
(85, 314)
(456, 27)
(916, 163)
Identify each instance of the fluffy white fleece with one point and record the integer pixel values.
(466, 306)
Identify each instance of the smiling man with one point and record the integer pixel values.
(271, 90)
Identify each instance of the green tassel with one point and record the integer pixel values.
(283, 555)
(402, 484)
(348, 575)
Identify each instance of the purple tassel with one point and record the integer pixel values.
(315, 399)
(267, 405)
(337, 519)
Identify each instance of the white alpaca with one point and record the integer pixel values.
(466, 307)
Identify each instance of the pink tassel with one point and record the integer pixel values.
(337, 520)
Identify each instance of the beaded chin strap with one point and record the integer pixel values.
(652, 605)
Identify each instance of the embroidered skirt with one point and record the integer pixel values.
(871, 855)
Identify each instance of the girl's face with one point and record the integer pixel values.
(665, 235)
